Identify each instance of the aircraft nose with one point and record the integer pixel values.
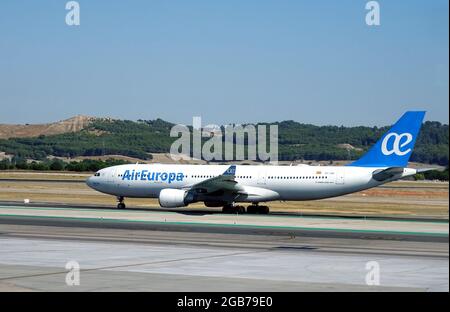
(89, 182)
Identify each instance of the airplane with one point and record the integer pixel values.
(226, 186)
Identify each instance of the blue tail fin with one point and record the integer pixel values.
(395, 146)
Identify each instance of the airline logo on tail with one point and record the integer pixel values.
(397, 144)
(395, 147)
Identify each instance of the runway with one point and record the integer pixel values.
(258, 253)
(226, 223)
(209, 211)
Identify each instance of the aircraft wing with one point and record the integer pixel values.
(225, 182)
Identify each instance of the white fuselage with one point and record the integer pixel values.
(259, 183)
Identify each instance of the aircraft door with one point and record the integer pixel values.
(262, 176)
(110, 175)
(340, 177)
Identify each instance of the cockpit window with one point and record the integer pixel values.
(97, 174)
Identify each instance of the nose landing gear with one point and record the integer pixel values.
(121, 204)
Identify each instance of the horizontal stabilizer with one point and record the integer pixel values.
(385, 174)
(428, 169)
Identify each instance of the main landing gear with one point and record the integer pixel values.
(233, 209)
(253, 209)
(257, 209)
(121, 204)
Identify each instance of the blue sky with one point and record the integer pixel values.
(226, 61)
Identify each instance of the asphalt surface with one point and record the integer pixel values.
(211, 211)
(33, 258)
(208, 229)
(195, 221)
(128, 251)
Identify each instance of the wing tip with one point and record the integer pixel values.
(230, 171)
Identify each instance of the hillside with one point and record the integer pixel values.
(86, 136)
(73, 124)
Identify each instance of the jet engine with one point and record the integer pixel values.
(173, 198)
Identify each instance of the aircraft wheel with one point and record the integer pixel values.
(263, 209)
(240, 209)
(253, 209)
(233, 209)
(227, 209)
(120, 204)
